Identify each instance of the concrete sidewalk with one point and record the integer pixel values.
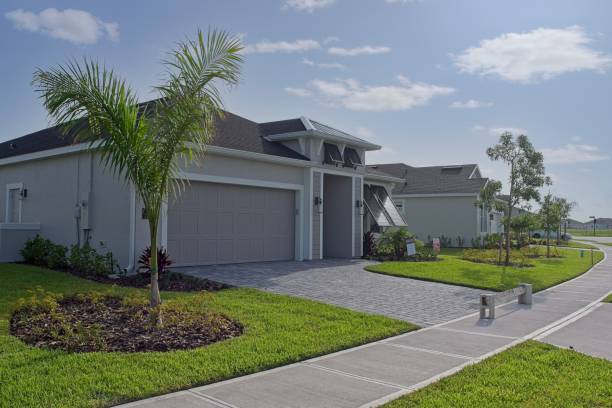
(378, 372)
(590, 334)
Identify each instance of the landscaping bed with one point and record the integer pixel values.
(278, 330)
(544, 273)
(95, 322)
(531, 374)
(169, 281)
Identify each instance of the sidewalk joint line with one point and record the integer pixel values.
(359, 377)
(212, 400)
(479, 334)
(430, 351)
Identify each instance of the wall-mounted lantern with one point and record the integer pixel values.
(318, 202)
(359, 206)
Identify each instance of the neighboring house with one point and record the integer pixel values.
(285, 190)
(440, 201)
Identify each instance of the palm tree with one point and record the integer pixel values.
(144, 144)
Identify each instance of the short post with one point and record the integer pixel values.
(525, 298)
(487, 304)
(592, 257)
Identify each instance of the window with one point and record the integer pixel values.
(400, 206)
(332, 154)
(351, 158)
(13, 203)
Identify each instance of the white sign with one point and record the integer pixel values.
(410, 247)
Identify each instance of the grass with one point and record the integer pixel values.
(279, 330)
(608, 299)
(451, 269)
(531, 374)
(589, 232)
(576, 244)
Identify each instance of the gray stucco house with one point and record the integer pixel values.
(285, 190)
(439, 200)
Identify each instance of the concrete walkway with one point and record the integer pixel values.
(375, 373)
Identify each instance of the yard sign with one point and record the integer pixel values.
(436, 244)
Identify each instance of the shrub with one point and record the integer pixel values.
(42, 252)
(445, 242)
(86, 261)
(395, 238)
(460, 241)
(477, 242)
(491, 256)
(163, 261)
(427, 253)
(369, 244)
(491, 241)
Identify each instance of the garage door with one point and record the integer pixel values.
(221, 223)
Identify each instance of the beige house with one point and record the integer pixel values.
(284, 190)
(440, 201)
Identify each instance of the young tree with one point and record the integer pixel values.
(144, 143)
(550, 217)
(565, 208)
(524, 224)
(526, 175)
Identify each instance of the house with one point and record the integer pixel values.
(285, 190)
(439, 201)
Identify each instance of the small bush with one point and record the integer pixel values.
(460, 241)
(86, 261)
(42, 252)
(163, 261)
(445, 242)
(369, 244)
(395, 240)
(491, 256)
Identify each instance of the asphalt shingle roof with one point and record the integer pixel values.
(233, 132)
(434, 179)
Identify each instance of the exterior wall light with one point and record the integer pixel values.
(359, 206)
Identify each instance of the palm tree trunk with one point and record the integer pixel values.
(155, 295)
(547, 243)
(508, 223)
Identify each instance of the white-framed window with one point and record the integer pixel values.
(400, 206)
(13, 203)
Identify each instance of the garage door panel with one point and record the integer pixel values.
(225, 224)
(228, 224)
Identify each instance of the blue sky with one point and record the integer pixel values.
(433, 81)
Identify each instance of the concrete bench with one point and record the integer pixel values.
(524, 293)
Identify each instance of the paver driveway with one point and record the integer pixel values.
(345, 283)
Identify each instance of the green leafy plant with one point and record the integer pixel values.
(369, 244)
(86, 261)
(42, 252)
(395, 238)
(460, 241)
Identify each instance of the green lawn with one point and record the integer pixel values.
(576, 244)
(279, 330)
(451, 269)
(531, 374)
(589, 232)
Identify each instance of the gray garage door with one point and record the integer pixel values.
(221, 223)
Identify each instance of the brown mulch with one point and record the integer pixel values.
(81, 324)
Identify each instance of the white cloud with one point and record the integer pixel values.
(497, 131)
(572, 153)
(352, 95)
(307, 5)
(324, 65)
(577, 139)
(363, 50)
(470, 104)
(302, 92)
(76, 26)
(269, 47)
(535, 55)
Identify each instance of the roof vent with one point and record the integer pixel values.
(12, 146)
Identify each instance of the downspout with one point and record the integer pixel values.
(132, 244)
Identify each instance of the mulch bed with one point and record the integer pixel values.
(82, 324)
(169, 281)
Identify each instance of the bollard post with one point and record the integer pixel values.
(487, 304)
(526, 298)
